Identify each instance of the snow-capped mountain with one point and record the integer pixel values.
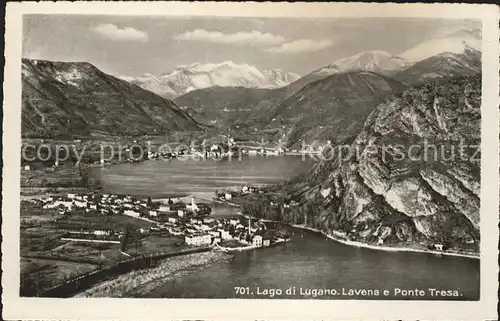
(184, 79)
(373, 60)
(455, 42)
(446, 64)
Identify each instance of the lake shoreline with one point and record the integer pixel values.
(382, 248)
(476, 256)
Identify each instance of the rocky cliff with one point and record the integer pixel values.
(412, 175)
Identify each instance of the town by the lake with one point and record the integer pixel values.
(226, 157)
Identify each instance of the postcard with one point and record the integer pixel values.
(184, 160)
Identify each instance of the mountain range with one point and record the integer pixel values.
(376, 104)
(374, 60)
(333, 108)
(454, 44)
(228, 95)
(446, 64)
(299, 103)
(68, 99)
(184, 79)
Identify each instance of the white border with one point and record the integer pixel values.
(238, 309)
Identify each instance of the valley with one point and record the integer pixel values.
(369, 150)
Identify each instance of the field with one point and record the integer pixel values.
(39, 274)
(155, 244)
(102, 254)
(98, 221)
(32, 215)
(46, 260)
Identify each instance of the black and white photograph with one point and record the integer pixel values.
(183, 156)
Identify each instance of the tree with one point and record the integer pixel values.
(123, 244)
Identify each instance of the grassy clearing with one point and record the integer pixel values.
(38, 239)
(54, 262)
(99, 221)
(104, 254)
(32, 214)
(38, 275)
(155, 244)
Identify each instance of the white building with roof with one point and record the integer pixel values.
(257, 240)
(198, 239)
(132, 213)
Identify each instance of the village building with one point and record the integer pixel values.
(225, 234)
(132, 213)
(80, 204)
(205, 227)
(198, 239)
(102, 232)
(214, 233)
(164, 208)
(69, 205)
(92, 206)
(257, 240)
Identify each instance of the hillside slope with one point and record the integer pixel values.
(230, 106)
(377, 61)
(447, 64)
(380, 194)
(332, 108)
(61, 99)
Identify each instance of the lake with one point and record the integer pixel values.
(159, 178)
(309, 262)
(312, 262)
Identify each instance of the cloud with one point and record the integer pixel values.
(300, 46)
(112, 32)
(253, 38)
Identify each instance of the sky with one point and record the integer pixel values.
(136, 45)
